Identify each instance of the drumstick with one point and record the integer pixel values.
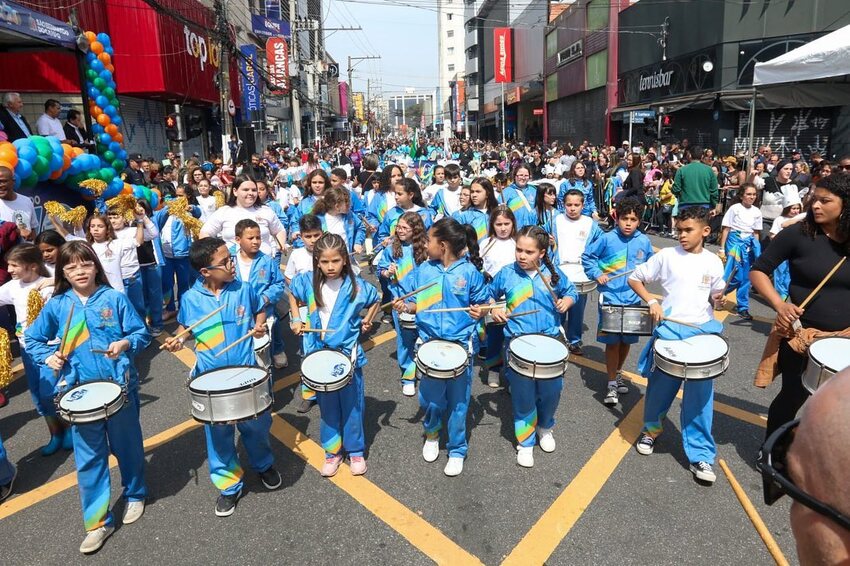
(250, 334)
(523, 313)
(688, 324)
(408, 295)
(104, 352)
(545, 282)
(620, 274)
(185, 331)
(459, 309)
(822, 283)
(489, 245)
(318, 330)
(65, 335)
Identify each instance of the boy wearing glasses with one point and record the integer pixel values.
(243, 311)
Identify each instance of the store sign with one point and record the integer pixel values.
(658, 79)
(277, 57)
(503, 52)
(269, 27)
(537, 112)
(250, 80)
(202, 48)
(571, 53)
(21, 20)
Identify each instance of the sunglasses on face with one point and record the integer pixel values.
(773, 464)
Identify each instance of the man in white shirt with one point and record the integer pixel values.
(14, 207)
(49, 124)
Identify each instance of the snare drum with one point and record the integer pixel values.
(326, 370)
(538, 356)
(488, 318)
(230, 394)
(262, 349)
(827, 357)
(91, 402)
(704, 356)
(407, 320)
(618, 319)
(441, 359)
(577, 277)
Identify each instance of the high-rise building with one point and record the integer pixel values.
(450, 54)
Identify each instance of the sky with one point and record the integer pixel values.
(405, 38)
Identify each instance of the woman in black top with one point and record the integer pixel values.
(633, 185)
(812, 248)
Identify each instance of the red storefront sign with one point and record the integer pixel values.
(503, 53)
(277, 55)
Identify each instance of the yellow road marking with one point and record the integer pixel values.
(755, 518)
(419, 532)
(547, 533)
(734, 412)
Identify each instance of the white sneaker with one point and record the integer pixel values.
(454, 466)
(431, 450)
(408, 389)
(133, 512)
(703, 471)
(546, 440)
(95, 539)
(280, 360)
(525, 456)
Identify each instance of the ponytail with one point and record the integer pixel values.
(541, 237)
(554, 278)
(472, 247)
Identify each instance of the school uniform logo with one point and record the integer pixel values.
(240, 314)
(106, 317)
(639, 255)
(459, 286)
(582, 234)
(262, 274)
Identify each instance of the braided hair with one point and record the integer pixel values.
(458, 237)
(541, 238)
(329, 241)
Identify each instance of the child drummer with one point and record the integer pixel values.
(690, 275)
(607, 259)
(243, 311)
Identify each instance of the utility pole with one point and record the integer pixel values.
(223, 78)
(293, 92)
(351, 85)
(368, 109)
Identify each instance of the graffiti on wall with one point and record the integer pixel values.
(784, 130)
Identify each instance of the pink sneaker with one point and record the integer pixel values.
(331, 466)
(358, 465)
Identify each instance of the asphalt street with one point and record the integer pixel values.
(595, 500)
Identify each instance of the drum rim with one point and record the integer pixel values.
(223, 391)
(460, 369)
(324, 387)
(546, 364)
(697, 364)
(122, 389)
(821, 364)
(347, 358)
(642, 308)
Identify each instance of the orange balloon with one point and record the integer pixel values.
(78, 151)
(105, 58)
(127, 190)
(96, 111)
(55, 175)
(96, 47)
(111, 129)
(111, 68)
(103, 120)
(8, 154)
(119, 137)
(158, 199)
(68, 150)
(91, 36)
(66, 163)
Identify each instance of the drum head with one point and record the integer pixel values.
(90, 396)
(326, 366)
(407, 317)
(538, 348)
(701, 349)
(225, 379)
(442, 355)
(832, 353)
(262, 342)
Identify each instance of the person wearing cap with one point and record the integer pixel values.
(133, 174)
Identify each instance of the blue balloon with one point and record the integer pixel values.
(117, 119)
(110, 50)
(96, 65)
(122, 154)
(103, 38)
(111, 84)
(115, 147)
(101, 101)
(97, 129)
(110, 111)
(27, 153)
(91, 56)
(56, 162)
(18, 182)
(106, 75)
(56, 145)
(22, 142)
(23, 169)
(105, 139)
(94, 94)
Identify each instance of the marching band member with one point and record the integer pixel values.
(739, 241)
(497, 251)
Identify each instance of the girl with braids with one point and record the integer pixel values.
(398, 260)
(497, 251)
(334, 212)
(408, 197)
(458, 282)
(334, 296)
(483, 202)
(315, 184)
(534, 400)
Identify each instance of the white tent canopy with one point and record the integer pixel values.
(827, 56)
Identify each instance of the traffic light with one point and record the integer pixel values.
(194, 126)
(171, 130)
(666, 125)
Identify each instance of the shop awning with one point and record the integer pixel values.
(22, 28)
(825, 57)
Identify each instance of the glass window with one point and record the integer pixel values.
(449, 17)
(552, 87)
(451, 68)
(450, 33)
(597, 14)
(597, 69)
(551, 44)
(450, 51)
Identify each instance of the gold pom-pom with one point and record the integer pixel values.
(219, 199)
(96, 186)
(5, 360)
(75, 217)
(35, 303)
(53, 208)
(127, 205)
(179, 208)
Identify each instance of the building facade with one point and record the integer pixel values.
(450, 56)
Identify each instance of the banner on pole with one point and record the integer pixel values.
(277, 57)
(503, 52)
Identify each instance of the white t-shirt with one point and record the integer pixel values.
(688, 280)
(742, 219)
(222, 223)
(499, 254)
(776, 227)
(431, 191)
(207, 206)
(571, 236)
(336, 225)
(330, 293)
(300, 261)
(119, 259)
(16, 293)
(244, 266)
(48, 126)
(452, 200)
(20, 211)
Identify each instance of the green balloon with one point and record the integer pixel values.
(30, 181)
(109, 92)
(41, 165)
(101, 148)
(91, 74)
(109, 155)
(114, 102)
(99, 84)
(119, 165)
(42, 146)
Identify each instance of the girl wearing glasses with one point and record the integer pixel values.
(103, 320)
(520, 196)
